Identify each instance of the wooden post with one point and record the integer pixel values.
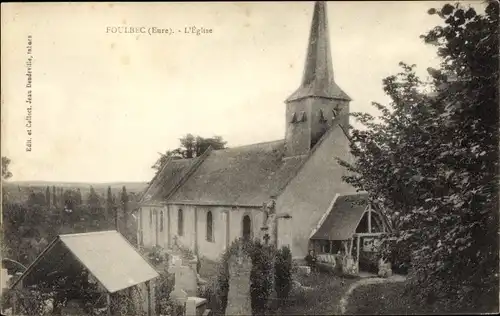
(196, 232)
(358, 251)
(148, 291)
(169, 229)
(228, 228)
(108, 303)
(14, 302)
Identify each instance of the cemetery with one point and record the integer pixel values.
(100, 273)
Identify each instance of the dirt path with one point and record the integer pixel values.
(366, 281)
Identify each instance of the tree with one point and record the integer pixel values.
(431, 161)
(109, 204)
(124, 205)
(54, 196)
(47, 197)
(78, 199)
(93, 199)
(191, 146)
(36, 199)
(70, 198)
(6, 174)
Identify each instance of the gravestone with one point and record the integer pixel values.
(185, 278)
(384, 269)
(238, 299)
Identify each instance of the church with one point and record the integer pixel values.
(290, 190)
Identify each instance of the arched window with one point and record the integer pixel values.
(161, 221)
(210, 224)
(180, 223)
(247, 227)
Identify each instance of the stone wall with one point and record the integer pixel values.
(308, 196)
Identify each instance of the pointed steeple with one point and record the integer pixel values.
(317, 80)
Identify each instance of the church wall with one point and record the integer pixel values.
(223, 233)
(187, 239)
(211, 249)
(227, 226)
(309, 194)
(163, 234)
(148, 225)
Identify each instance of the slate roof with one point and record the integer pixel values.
(341, 221)
(168, 178)
(246, 175)
(107, 255)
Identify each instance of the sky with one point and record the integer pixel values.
(104, 104)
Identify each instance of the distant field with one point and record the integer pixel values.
(131, 186)
(20, 190)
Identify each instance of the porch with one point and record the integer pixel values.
(348, 237)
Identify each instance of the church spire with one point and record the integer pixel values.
(317, 80)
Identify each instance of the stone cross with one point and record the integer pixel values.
(266, 238)
(186, 278)
(238, 300)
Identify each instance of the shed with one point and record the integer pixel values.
(105, 259)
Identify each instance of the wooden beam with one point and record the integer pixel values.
(369, 219)
(368, 234)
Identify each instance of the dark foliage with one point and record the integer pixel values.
(431, 159)
(283, 274)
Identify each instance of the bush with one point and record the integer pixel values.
(164, 285)
(261, 277)
(156, 256)
(283, 274)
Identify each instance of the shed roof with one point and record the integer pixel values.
(246, 175)
(107, 255)
(342, 219)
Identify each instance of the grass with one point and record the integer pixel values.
(322, 299)
(383, 299)
(208, 268)
(389, 299)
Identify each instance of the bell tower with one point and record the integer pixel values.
(319, 102)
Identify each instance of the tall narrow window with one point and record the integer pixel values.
(150, 217)
(161, 221)
(247, 228)
(210, 224)
(180, 223)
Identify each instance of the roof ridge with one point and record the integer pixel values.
(89, 233)
(250, 145)
(189, 172)
(157, 175)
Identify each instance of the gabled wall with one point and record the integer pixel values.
(307, 197)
